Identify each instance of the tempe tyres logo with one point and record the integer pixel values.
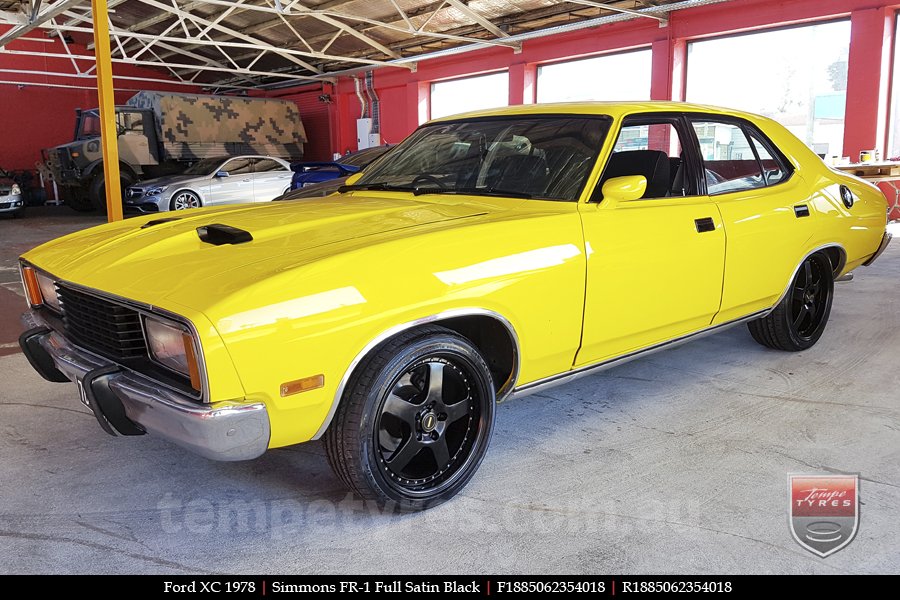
(824, 511)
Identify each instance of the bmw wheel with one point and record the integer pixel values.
(184, 200)
(415, 421)
(797, 322)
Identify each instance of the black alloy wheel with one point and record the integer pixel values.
(799, 319)
(415, 420)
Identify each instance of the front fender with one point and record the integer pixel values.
(322, 317)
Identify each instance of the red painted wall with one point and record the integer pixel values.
(34, 116)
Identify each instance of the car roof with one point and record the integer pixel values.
(612, 109)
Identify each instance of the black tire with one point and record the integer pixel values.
(97, 189)
(799, 319)
(77, 199)
(184, 199)
(391, 412)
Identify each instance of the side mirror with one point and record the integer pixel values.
(221, 174)
(353, 178)
(624, 189)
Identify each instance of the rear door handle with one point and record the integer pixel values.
(705, 224)
(245, 181)
(801, 210)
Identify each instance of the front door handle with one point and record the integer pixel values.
(705, 224)
(801, 210)
(245, 181)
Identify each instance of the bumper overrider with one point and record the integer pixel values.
(128, 403)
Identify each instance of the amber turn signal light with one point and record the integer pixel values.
(191, 357)
(302, 385)
(32, 288)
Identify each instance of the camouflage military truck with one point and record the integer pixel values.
(163, 133)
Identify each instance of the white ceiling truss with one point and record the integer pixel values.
(224, 45)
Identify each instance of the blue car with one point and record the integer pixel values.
(308, 173)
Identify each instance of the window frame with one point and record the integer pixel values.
(689, 147)
(746, 128)
(438, 82)
(260, 159)
(566, 61)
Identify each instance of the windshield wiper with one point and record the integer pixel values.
(376, 187)
(472, 191)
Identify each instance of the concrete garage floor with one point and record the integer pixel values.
(676, 463)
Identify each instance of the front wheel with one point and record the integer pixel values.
(797, 322)
(184, 200)
(415, 421)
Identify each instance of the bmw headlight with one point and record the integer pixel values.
(172, 346)
(15, 190)
(48, 291)
(156, 191)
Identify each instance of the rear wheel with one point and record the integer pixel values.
(415, 421)
(799, 319)
(97, 190)
(184, 200)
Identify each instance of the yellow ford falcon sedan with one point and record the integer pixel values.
(487, 255)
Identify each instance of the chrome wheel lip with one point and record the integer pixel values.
(468, 451)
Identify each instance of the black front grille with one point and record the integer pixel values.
(97, 324)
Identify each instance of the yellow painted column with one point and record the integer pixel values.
(109, 134)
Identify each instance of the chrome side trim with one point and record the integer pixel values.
(554, 380)
(505, 390)
(885, 241)
(837, 270)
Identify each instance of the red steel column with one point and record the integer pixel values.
(668, 70)
(522, 83)
(868, 75)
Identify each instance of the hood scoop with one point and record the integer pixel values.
(159, 222)
(219, 235)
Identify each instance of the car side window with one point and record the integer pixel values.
(655, 150)
(729, 161)
(238, 166)
(774, 169)
(265, 165)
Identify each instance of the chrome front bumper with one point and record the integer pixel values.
(219, 431)
(885, 241)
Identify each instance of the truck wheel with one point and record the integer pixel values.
(414, 422)
(76, 199)
(800, 318)
(97, 189)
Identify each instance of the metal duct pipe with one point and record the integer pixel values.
(373, 102)
(363, 105)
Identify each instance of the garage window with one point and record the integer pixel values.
(797, 76)
(472, 93)
(622, 76)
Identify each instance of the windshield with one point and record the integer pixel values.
(207, 166)
(542, 157)
(363, 157)
(89, 126)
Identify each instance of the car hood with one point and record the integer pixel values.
(167, 180)
(5, 185)
(158, 258)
